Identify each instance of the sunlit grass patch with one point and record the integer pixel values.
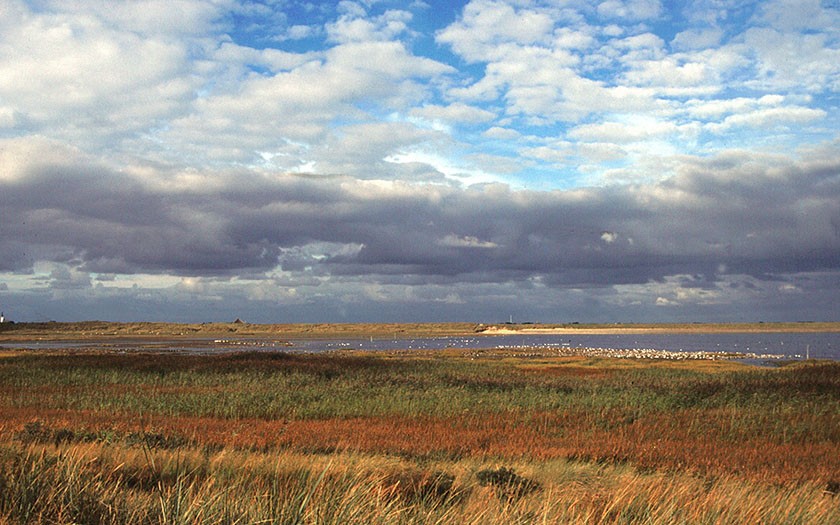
(99, 483)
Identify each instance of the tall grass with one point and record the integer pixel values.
(99, 484)
(275, 438)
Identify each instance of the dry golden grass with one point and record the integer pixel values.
(108, 483)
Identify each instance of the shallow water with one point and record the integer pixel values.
(796, 345)
(817, 345)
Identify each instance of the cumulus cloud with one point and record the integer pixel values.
(604, 78)
(355, 26)
(630, 9)
(497, 132)
(456, 113)
(769, 117)
(698, 38)
(487, 25)
(66, 73)
(618, 132)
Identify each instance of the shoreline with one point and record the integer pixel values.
(698, 329)
(103, 330)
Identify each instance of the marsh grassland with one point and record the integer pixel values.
(451, 437)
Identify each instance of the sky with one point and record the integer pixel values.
(379, 161)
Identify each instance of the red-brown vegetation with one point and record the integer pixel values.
(672, 442)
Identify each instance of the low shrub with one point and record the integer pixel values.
(37, 432)
(507, 483)
(421, 486)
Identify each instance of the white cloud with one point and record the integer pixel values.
(466, 241)
(641, 128)
(299, 32)
(612, 30)
(640, 47)
(149, 17)
(234, 56)
(630, 9)
(487, 24)
(500, 133)
(601, 152)
(789, 288)
(18, 156)
(671, 76)
(262, 113)
(609, 237)
(697, 38)
(356, 27)
(361, 150)
(769, 118)
(794, 60)
(452, 169)
(706, 109)
(556, 153)
(7, 117)
(800, 15)
(457, 113)
(70, 74)
(569, 38)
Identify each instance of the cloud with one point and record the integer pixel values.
(486, 25)
(356, 26)
(285, 113)
(755, 214)
(497, 132)
(466, 241)
(609, 237)
(456, 113)
(630, 9)
(618, 132)
(595, 80)
(90, 75)
(800, 15)
(697, 38)
(227, 152)
(770, 117)
(707, 109)
(793, 60)
(148, 17)
(66, 74)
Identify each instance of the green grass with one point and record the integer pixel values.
(309, 387)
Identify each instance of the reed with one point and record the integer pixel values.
(425, 438)
(97, 483)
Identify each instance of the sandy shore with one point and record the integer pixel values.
(661, 328)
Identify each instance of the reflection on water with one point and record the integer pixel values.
(816, 345)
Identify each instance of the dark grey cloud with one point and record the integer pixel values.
(745, 215)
